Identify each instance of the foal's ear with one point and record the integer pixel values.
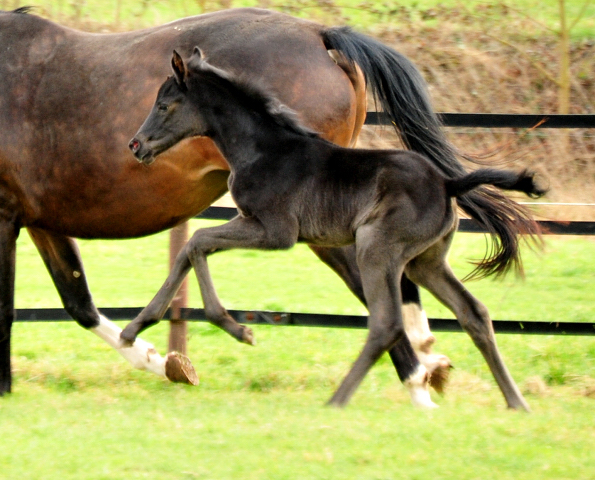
(179, 69)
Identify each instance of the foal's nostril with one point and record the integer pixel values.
(134, 145)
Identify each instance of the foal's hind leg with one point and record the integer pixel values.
(381, 275)
(8, 236)
(343, 262)
(433, 272)
(64, 264)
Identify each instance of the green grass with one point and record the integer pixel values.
(79, 412)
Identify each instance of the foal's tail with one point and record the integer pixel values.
(400, 90)
(503, 179)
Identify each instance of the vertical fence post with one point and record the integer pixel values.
(178, 327)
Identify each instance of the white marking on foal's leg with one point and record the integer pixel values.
(417, 384)
(143, 356)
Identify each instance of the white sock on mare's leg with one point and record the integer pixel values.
(417, 384)
(418, 331)
(142, 355)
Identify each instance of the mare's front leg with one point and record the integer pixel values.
(9, 232)
(343, 262)
(62, 259)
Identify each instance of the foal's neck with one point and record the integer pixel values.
(243, 135)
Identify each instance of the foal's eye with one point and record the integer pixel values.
(163, 107)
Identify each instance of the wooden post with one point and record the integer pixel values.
(178, 327)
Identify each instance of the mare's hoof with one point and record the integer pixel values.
(440, 375)
(179, 369)
(248, 337)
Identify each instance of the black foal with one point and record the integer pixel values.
(292, 186)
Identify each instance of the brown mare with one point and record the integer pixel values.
(70, 101)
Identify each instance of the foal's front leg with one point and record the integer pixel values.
(156, 309)
(241, 232)
(237, 233)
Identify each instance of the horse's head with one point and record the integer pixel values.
(172, 118)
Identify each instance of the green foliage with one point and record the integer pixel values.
(366, 14)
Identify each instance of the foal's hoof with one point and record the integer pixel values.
(248, 337)
(126, 338)
(179, 369)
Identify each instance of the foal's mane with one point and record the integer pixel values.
(256, 97)
(21, 10)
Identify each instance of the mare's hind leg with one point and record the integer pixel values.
(61, 257)
(381, 278)
(343, 262)
(9, 232)
(418, 331)
(433, 272)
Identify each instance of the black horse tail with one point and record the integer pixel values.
(399, 88)
(504, 179)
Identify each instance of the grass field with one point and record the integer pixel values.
(78, 411)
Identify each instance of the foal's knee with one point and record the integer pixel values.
(386, 337)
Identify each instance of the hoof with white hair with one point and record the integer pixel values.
(142, 355)
(417, 384)
(439, 370)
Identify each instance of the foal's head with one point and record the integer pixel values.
(181, 111)
(173, 117)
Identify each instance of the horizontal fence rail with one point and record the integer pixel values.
(499, 120)
(465, 224)
(355, 321)
(315, 320)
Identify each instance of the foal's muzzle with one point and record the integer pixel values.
(142, 154)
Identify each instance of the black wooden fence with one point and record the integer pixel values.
(354, 321)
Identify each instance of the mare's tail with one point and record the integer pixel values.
(400, 90)
(503, 179)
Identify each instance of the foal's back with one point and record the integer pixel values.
(398, 189)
